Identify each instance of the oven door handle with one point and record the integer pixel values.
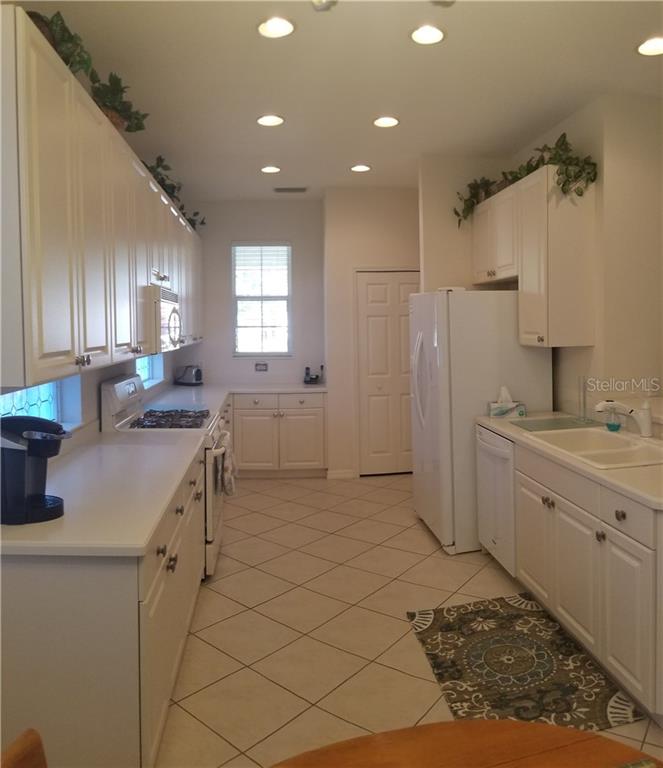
(214, 452)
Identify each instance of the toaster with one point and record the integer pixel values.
(189, 375)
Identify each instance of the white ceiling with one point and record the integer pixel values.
(505, 72)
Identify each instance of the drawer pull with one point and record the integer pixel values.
(545, 500)
(302, 401)
(600, 536)
(198, 495)
(540, 339)
(275, 414)
(620, 515)
(172, 563)
(179, 509)
(201, 461)
(192, 483)
(256, 402)
(162, 549)
(281, 414)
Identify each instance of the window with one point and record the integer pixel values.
(261, 288)
(56, 400)
(42, 401)
(150, 369)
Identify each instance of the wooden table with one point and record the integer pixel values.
(474, 744)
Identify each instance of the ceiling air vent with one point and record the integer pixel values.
(289, 190)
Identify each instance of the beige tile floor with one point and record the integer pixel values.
(300, 638)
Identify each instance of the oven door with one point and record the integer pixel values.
(213, 509)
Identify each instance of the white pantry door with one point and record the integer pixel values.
(384, 371)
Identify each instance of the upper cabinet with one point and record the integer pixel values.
(95, 229)
(533, 232)
(493, 235)
(554, 251)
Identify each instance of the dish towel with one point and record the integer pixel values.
(226, 469)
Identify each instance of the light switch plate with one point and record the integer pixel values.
(261, 367)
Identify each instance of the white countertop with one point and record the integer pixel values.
(643, 484)
(115, 491)
(211, 396)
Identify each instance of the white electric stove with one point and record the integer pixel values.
(124, 408)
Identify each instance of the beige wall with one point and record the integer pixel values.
(296, 222)
(365, 228)
(445, 248)
(624, 136)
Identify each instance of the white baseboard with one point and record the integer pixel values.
(341, 474)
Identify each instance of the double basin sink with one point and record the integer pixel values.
(601, 448)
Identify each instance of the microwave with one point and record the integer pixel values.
(168, 320)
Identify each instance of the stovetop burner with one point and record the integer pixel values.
(175, 419)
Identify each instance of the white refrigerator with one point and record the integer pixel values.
(463, 346)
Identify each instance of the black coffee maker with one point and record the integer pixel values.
(28, 443)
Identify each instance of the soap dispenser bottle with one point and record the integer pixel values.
(613, 423)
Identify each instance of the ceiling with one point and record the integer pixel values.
(505, 72)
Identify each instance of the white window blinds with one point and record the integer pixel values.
(261, 283)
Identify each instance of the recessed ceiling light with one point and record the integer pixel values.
(652, 47)
(275, 27)
(271, 169)
(270, 121)
(361, 168)
(427, 35)
(386, 122)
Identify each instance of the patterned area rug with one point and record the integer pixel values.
(507, 658)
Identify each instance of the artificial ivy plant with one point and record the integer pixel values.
(161, 172)
(68, 45)
(110, 97)
(574, 175)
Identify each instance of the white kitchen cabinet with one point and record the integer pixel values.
(301, 438)
(576, 571)
(628, 612)
(553, 244)
(256, 439)
(279, 431)
(493, 238)
(92, 151)
(534, 537)
(495, 497)
(598, 581)
(47, 189)
(80, 236)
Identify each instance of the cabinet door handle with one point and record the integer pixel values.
(88, 359)
(172, 563)
(198, 495)
(551, 504)
(620, 515)
(540, 339)
(281, 414)
(162, 549)
(275, 414)
(302, 401)
(79, 360)
(545, 500)
(179, 509)
(600, 536)
(256, 402)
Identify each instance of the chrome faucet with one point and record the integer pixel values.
(641, 416)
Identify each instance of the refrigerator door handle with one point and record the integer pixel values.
(417, 394)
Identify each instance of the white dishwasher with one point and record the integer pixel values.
(495, 497)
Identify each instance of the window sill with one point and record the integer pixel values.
(150, 383)
(258, 356)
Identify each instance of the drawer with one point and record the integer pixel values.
(628, 516)
(159, 546)
(255, 401)
(194, 470)
(570, 485)
(194, 486)
(305, 400)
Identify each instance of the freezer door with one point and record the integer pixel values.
(428, 484)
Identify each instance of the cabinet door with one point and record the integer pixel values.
(302, 438)
(504, 214)
(144, 202)
(628, 613)
(44, 93)
(532, 252)
(92, 132)
(124, 278)
(484, 253)
(534, 538)
(256, 438)
(495, 504)
(577, 573)
(198, 286)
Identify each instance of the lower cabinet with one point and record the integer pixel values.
(279, 432)
(597, 581)
(92, 663)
